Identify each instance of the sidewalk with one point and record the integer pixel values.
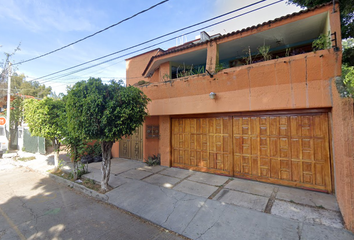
(205, 206)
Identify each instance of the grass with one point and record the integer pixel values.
(25, 159)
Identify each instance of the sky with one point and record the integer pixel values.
(41, 26)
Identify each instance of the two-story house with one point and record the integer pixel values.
(258, 103)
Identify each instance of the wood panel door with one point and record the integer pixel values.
(203, 144)
(131, 147)
(286, 149)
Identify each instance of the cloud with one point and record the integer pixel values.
(49, 15)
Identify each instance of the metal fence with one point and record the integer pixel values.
(33, 144)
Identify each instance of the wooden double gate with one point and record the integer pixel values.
(131, 147)
(289, 149)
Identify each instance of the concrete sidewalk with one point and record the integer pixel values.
(205, 206)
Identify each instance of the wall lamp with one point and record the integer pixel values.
(212, 95)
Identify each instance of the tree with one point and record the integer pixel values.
(45, 119)
(348, 56)
(105, 112)
(346, 16)
(31, 88)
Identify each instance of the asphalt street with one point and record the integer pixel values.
(33, 206)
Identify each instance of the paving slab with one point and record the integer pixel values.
(96, 165)
(198, 189)
(162, 180)
(306, 197)
(216, 220)
(94, 174)
(307, 214)
(176, 172)
(316, 232)
(125, 166)
(207, 178)
(168, 208)
(252, 187)
(116, 181)
(242, 199)
(153, 169)
(135, 174)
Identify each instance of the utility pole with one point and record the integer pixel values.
(8, 100)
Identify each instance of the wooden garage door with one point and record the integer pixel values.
(203, 144)
(288, 149)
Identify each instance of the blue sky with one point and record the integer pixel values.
(42, 26)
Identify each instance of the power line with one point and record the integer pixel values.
(112, 59)
(102, 30)
(153, 39)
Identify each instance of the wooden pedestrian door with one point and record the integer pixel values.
(288, 149)
(132, 146)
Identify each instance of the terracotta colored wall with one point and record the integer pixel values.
(150, 146)
(343, 145)
(136, 65)
(165, 72)
(115, 150)
(296, 82)
(165, 140)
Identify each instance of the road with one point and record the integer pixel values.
(33, 206)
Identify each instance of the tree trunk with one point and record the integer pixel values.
(56, 145)
(106, 163)
(74, 151)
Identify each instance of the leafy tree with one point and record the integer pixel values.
(31, 88)
(348, 55)
(71, 140)
(348, 78)
(45, 119)
(346, 16)
(105, 112)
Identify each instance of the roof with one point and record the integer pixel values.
(156, 49)
(189, 45)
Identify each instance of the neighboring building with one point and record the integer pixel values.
(280, 121)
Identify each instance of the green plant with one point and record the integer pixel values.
(287, 52)
(248, 57)
(219, 67)
(153, 160)
(96, 149)
(200, 70)
(44, 119)
(322, 42)
(347, 87)
(264, 51)
(61, 164)
(142, 82)
(80, 170)
(23, 149)
(26, 158)
(89, 181)
(166, 77)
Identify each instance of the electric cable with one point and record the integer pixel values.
(156, 38)
(112, 59)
